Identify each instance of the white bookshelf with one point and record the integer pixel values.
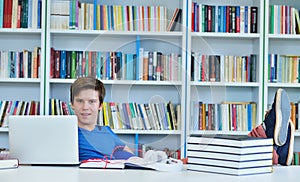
(138, 91)
(219, 43)
(179, 92)
(22, 89)
(281, 44)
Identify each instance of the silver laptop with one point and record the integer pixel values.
(44, 139)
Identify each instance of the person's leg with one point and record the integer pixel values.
(276, 121)
(259, 132)
(276, 126)
(286, 151)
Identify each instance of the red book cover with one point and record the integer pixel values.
(52, 56)
(38, 62)
(227, 19)
(57, 64)
(65, 109)
(7, 13)
(193, 17)
(209, 19)
(203, 68)
(233, 106)
(128, 18)
(19, 15)
(200, 104)
(32, 108)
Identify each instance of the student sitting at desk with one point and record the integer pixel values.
(87, 95)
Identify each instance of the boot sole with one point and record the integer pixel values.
(282, 111)
(289, 158)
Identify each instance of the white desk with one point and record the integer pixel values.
(74, 174)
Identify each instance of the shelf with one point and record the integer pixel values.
(226, 35)
(20, 80)
(123, 82)
(107, 32)
(148, 132)
(173, 132)
(284, 85)
(297, 133)
(20, 31)
(130, 132)
(226, 84)
(284, 36)
(220, 132)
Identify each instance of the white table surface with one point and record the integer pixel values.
(70, 174)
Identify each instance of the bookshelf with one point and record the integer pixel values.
(205, 44)
(21, 38)
(127, 42)
(186, 42)
(274, 41)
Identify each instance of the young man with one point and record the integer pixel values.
(87, 95)
(278, 125)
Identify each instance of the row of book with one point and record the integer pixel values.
(93, 16)
(283, 68)
(17, 108)
(295, 110)
(149, 116)
(284, 19)
(20, 14)
(223, 68)
(24, 64)
(229, 19)
(227, 116)
(230, 154)
(146, 65)
(59, 107)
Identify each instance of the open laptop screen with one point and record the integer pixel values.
(44, 139)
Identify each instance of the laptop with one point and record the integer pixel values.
(44, 140)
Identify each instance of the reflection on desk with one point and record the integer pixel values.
(74, 174)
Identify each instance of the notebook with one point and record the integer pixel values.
(44, 140)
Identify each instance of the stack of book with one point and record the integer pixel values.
(229, 154)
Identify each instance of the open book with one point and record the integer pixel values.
(6, 162)
(133, 162)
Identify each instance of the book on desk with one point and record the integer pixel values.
(6, 162)
(229, 154)
(171, 165)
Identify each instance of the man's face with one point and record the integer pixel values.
(86, 106)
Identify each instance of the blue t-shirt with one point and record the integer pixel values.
(99, 143)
